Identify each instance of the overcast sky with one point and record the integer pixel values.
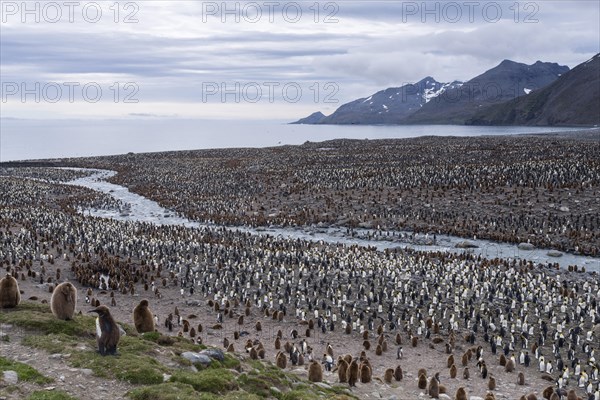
(250, 59)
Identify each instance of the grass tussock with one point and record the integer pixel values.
(165, 391)
(24, 371)
(50, 395)
(134, 364)
(52, 343)
(182, 391)
(215, 381)
(39, 320)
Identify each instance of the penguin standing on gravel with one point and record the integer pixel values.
(107, 331)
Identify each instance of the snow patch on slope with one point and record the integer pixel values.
(432, 93)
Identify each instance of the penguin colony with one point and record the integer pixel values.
(531, 315)
(454, 186)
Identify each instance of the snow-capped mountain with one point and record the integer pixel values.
(507, 81)
(388, 106)
(431, 102)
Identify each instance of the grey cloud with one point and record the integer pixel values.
(370, 48)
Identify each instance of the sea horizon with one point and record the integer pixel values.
(37, 139)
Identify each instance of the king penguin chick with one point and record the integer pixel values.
(143, 318)
(63, 301)
(10, 296)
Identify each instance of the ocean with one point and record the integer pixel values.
(27, 139)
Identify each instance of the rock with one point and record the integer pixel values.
(61, 378)
(275, 390)
(564, 209)
(547, 377)
(50, 388)
(526, 246)
(393, 397)
(445, 396)
(465, 244)
(554, 253)
(299, 371)
(123, 333)
(215, 354)
(196, 358)
(10, 377)
(166, 377)
(86, 371)
(193, 303)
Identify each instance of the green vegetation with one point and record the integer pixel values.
(230, 362)
(254, 384)
(145, 359)
(236, 396)
(260, 380)
(24, 371)
(134, 364)
(208, 380)
(296, 395)
(182, 391)
(38, 319)
(52, 343)
(152, 336)
(50, 395)
(166, 391)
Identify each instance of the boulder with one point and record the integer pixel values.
(465, 244)
(215, 354)
(526, 246)
(554, 253)
(10, 377)
(196, 358)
